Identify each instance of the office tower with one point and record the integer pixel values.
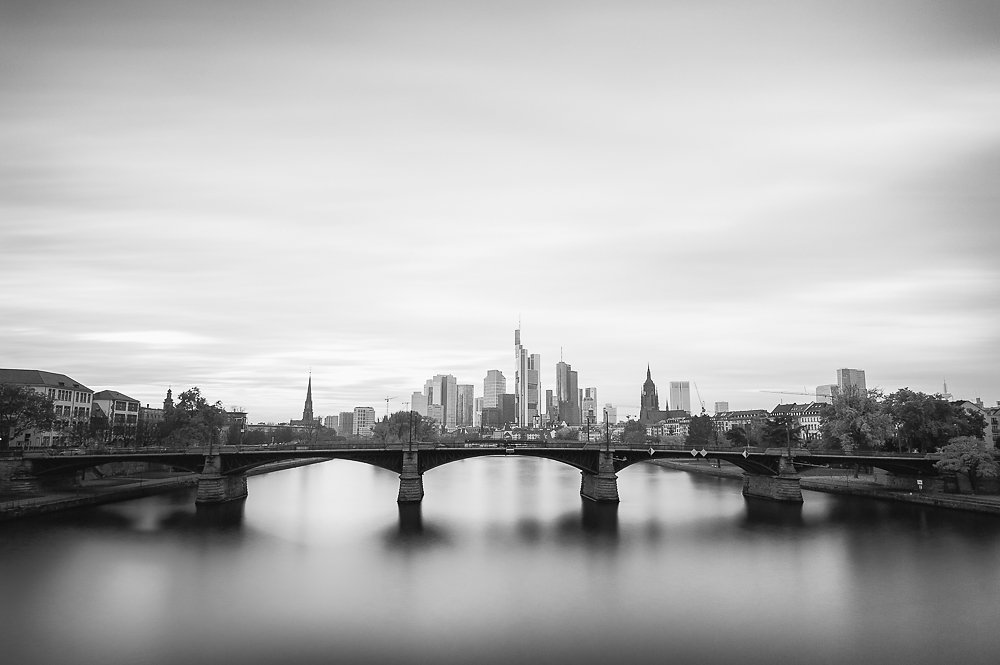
(611, 414)
(364, 421)
(567, 394)
(332, 422)
(418, 403)
(442, 391)
(589, 405)
(680, 395)
(551, 407)
(346, 419)
(851, 377)
(466, 405)
(721, 407)
(526, 383)
(477, 412)
(533, 386)
(826, 393)
(494, 385)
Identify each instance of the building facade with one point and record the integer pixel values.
(527, 383)
(851, 378)
(494, 385)
(680, 395)
(364, 421)
(466, 407)
(121, 413)
(72, 402)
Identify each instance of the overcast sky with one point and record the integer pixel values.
(743, 195)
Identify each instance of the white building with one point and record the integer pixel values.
(72, 401)
(610, 413)
(680, 396)
(442, 391)
(332, 422)
(121, 411)
(721, 407)
(364, 421)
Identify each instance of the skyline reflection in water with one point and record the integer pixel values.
(503, 560)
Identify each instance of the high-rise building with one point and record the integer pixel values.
(477, 413)
(332, 422)
(527, 384)
(851, 378)
(589, 405)
(610, 413)
(494, 385)
(346, 419)
(364, 421)
(418, 403)
(826, 392)
(466, 405)
(567, 394)
(721, 407)
(442, 391)
(680, 395)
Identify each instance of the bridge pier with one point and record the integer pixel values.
(775, 488)
(411, 481)
(214, 487)
(603, 485)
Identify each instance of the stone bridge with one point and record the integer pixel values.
(222, 471)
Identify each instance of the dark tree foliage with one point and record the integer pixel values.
(635, 432)
(737, 436)
(701, 431)
(968, 456)
(927, 422)
(781, 431)
(22, 409)
(192, 421)
(855, 420)
(397, 428)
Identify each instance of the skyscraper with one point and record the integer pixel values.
(465, 407)
(494, 385)
(442, 391)
(721, 407)
(364, 421)
(589, 405)
(851, 377)
(567, 394)
(526, 383)
(680, 395)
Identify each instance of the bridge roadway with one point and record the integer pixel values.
(222, 469)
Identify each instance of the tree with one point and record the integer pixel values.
(701, 431)
(969, 456)
(396, 428)
(737, 436)
(22, 409)
(192, 421)
(927, 422)
(635, 432)
(781, 431)
(855, 420)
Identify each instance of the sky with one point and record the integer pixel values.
(747, 196)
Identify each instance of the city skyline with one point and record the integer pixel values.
(744, 198)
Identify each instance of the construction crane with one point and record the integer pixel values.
(387, 405)
(698, 392)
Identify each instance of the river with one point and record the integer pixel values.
(502, 563)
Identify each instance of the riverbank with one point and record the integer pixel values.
(93, 492)
(862, 485)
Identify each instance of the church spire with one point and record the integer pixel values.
(307, 411)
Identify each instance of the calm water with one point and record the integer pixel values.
(503, 562)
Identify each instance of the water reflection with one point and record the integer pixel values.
(502, 562)
(772, 513)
